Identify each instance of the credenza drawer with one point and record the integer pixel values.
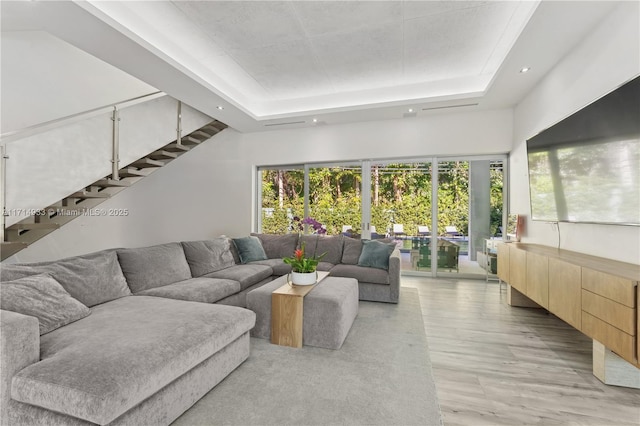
(615, 288)
(611, 312)
(617, 340)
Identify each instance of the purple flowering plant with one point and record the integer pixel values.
(300, 262)
(313, 224)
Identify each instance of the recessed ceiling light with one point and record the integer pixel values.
(315, 120)
(525, 69)
(220, 107)
(410, 109)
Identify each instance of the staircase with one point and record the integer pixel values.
(84, 201)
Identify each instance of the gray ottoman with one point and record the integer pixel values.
(328, 311)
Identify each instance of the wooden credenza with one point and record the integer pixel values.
(597, 296)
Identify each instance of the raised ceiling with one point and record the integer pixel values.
(272, 63)
(279, 58)
(307, 49)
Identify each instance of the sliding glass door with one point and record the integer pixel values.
(470, 215)
(395, 200)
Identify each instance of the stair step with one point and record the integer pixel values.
(146, 162)
(29, 226)
(217, 125)
(191, 140)
(199, 134)
(174, 147)
(9, 249)
(87, 194)
(162, 155)
(131, 172)
(110, 183)
(211, 130)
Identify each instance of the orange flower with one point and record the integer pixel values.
(299, 254)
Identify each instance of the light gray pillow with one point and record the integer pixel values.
(43, 297)
(331, 245)
(249, 249)
(92, 278)
(278, 246)
(208, 256)
(375, 254)
(154, 266)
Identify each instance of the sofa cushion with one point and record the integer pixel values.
(277, 265)
(278, 246)
(208, 256)
(205, 290)
(92, 278)
(363, 274)
(375, 254)
(249, 249)
(124, 352)
(325, 266)
(155, 266)
(42, 297)
(353, 248)
(315, 245)
(247, 275)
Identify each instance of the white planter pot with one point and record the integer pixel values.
(303, 278)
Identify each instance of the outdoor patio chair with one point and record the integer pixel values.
(398, 230)
(423, 231)
(452, 231)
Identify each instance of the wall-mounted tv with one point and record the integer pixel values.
(586, 168)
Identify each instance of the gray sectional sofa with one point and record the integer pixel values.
(137, 336)
(342, 259)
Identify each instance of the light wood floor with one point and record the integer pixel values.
(498, 365)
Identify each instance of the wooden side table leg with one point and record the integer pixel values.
(286, 320)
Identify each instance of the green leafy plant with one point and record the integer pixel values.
(300, 263)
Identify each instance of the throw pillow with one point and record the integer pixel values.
(249, 249)
(43, 297)
(353, 249)
(278, 246)
(208, 256)
(331, 245)
(92, 278)
(154, 266)
(375, 254)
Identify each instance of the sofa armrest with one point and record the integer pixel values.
(19, 347)
(394, 275)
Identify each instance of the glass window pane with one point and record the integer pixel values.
(282, 200)
(335, 198)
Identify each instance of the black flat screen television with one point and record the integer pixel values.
(586, 168)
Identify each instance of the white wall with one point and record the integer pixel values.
(604, 60)
(481, 132)
(44, 78)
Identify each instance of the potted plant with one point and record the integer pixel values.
(303, 268)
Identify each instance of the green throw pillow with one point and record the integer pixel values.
(375, 254)
(249, 249)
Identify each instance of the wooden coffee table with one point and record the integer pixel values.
(287, 313)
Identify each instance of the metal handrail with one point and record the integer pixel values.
(36, 128)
